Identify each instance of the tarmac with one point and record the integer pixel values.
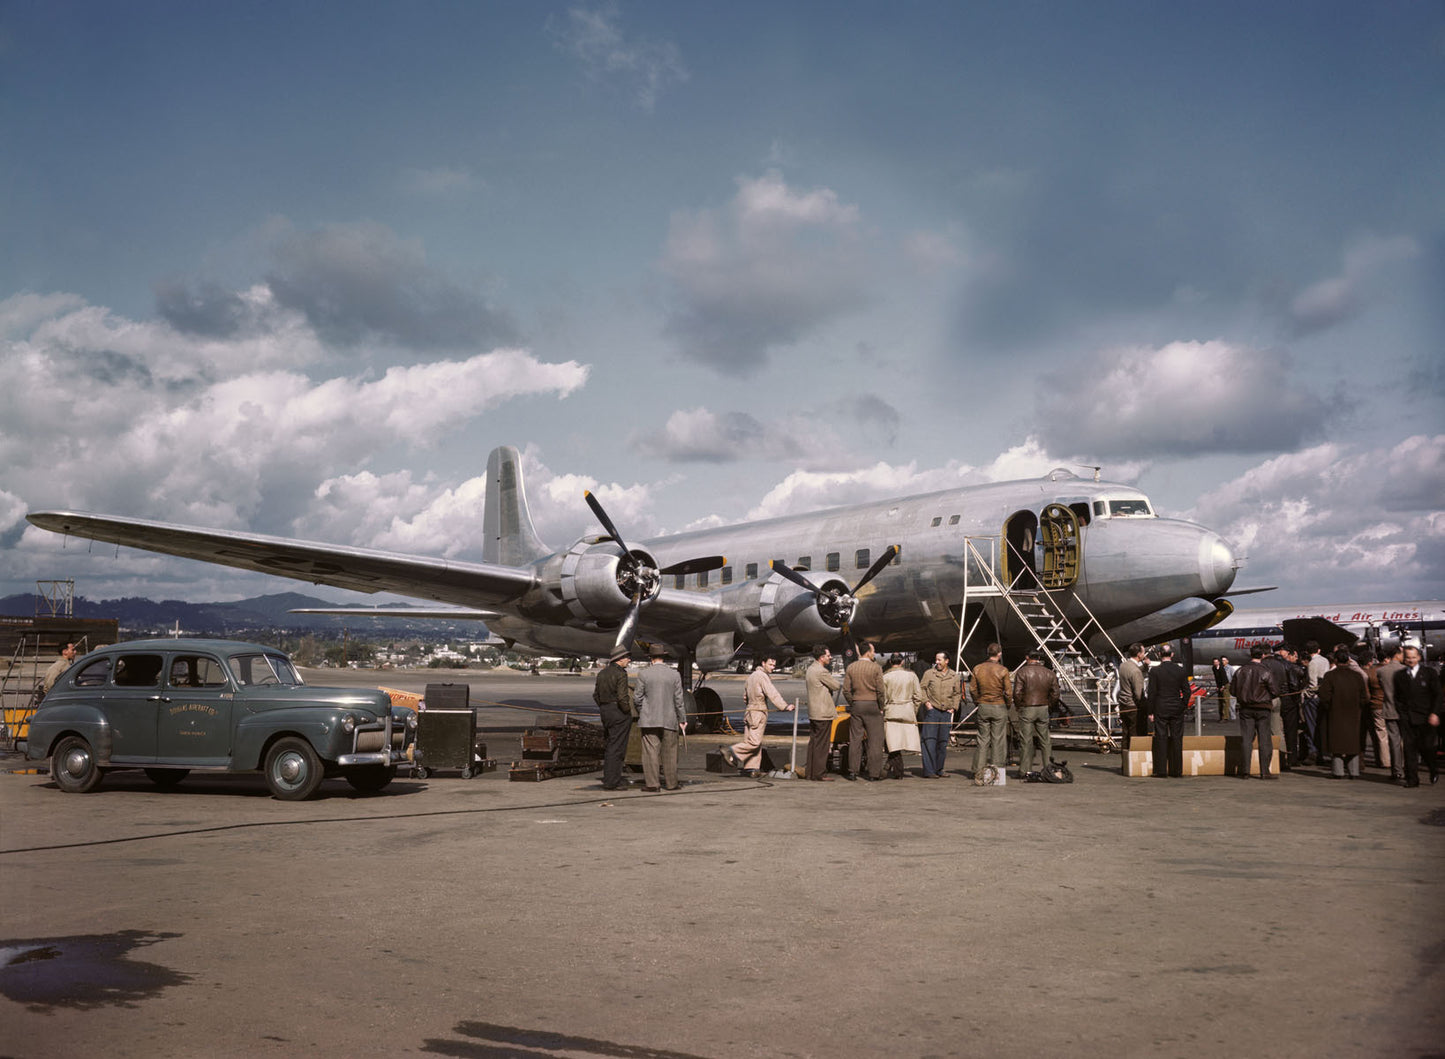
(482, 918)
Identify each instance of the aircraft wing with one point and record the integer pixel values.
(455, 613)
(356, 569)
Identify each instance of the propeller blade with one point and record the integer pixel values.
(877, 567)
(628, 627)
(793, 576)
(596, 507)
(696, 566)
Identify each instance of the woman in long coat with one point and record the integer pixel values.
(1345, 698)
(902, 698)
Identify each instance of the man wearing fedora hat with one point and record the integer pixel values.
(613, 696)
(661, 714)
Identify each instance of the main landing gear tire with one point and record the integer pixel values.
(368, 779)
(709, 709)
(73, 767)
(293, 771)
(166, 778)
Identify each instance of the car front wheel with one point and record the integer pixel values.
(369, 779)
(73, 767)
(293, 771)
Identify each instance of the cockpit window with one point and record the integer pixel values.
(1129, 508)
(259, 669)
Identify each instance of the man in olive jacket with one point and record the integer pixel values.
(822, 687)
(613, 696)
(1132, 693)
(942, 690)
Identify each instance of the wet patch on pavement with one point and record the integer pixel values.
(83, 972)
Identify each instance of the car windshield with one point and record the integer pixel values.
(259, 669)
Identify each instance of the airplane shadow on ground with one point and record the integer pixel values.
(486, 1040)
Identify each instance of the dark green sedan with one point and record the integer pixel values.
(172, 707)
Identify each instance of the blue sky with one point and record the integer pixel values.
(297, 268)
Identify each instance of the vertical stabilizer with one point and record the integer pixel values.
(506, 524)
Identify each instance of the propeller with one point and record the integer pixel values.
(637, 575)
(838, 605)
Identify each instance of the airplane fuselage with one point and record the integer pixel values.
(1130, 568)
(1106, 559)
(1379, 624)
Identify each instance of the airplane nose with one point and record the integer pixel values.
(1217, 565)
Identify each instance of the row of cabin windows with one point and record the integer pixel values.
(833, 561)
(938, 520)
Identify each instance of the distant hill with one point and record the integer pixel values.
(138, 615)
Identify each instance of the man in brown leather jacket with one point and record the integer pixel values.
(1035, 690)
(992, 690)
(862, 682)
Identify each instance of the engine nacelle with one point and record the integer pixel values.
(789, 614)
(597, 581)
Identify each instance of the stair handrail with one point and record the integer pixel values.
(1054, 609)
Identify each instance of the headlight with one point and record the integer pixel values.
(348, 723)
(410, 719)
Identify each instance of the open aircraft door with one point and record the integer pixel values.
(1060, 539)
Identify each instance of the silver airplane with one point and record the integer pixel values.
(1381, 626)
(891, 571)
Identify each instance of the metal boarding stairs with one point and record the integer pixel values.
(1086, 680)
(18, 690)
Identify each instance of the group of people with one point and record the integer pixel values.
(1330, 709)
(891, 711)
(1321, 710)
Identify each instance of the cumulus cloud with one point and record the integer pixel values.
(1183, 399)
(438, 181)
(220, 432)
(1331, 516)
(594, 36)
(930, 252)
(762, 273)
(820, 437)
(355, 282)
(398, 512)
(804, 491)
(1340, 297)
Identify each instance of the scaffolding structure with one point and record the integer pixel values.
(1043, 605)
(29, 645)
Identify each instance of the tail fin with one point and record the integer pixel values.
(510, 539)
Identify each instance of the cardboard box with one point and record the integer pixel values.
(1234, 754)
(1207, 755)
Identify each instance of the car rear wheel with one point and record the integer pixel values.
(370, 778)
(73, 767)
(166, 777)
(293, 771)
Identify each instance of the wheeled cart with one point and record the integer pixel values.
(446, 734)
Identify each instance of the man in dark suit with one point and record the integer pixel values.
(1168, 697)
(1417, 701)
